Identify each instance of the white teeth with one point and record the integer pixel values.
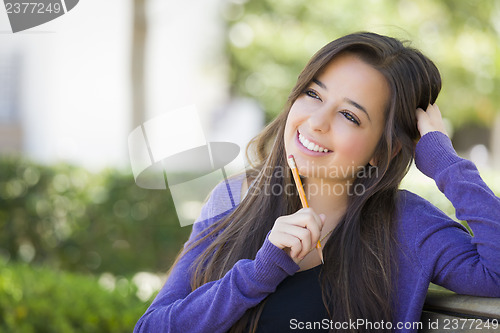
(310, 145)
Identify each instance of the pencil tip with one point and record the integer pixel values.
(321, 255)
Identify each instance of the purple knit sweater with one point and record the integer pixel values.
(433, 248)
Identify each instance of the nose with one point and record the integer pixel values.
(320, 119)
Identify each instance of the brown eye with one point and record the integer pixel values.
(311, 93)
(350, 117)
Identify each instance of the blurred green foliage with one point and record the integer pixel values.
(36, 299)
(270, 41)
(68, 218)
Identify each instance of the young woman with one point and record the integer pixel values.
(352, 122)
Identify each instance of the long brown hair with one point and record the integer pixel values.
(358, 278)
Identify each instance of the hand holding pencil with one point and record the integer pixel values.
(297, 234)
(302, 196)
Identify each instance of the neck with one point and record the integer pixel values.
(326, 196)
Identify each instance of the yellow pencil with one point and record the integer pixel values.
(302, 195)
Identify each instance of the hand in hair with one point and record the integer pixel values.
(430, 120)
(297, 233)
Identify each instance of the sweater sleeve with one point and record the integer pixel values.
(454, 259)
(217, 305)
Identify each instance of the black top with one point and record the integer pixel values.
(296, 297)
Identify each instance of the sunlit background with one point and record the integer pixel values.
(82, 247)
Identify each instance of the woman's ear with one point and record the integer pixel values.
(397, 149)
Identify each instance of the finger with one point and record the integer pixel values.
(310, 220)
(423, 121)
(291, 236)
(291, 245)
(431, 120)
(286, 241)
(318, 219)
(304, 225)
(317, 227)
(304, 235)
(420, 113)
(307, 216)
(436, 113)
(294, 244)
(430, 110)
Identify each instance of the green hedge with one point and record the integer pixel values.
(70, 219)
(37, 299)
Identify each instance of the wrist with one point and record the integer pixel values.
(434, 152)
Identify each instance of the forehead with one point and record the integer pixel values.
(347, 76)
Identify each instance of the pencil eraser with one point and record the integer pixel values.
(290, 156)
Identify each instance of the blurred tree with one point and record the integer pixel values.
(139, 35)
(269, 42)
(65, 217)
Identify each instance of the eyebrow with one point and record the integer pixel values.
(348, 100)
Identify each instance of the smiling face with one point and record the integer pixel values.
(334, 126)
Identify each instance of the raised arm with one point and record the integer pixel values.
(455, 259)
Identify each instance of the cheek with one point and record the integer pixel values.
(355, 149)
(294, 119)
(290, 128)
